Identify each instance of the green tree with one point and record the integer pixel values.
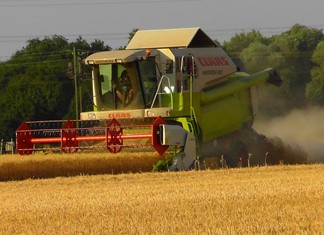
(315, 88)
(99, 45)
(297, 46)
(290, 53)
(240, 42)
(35, 84)
(258, 56)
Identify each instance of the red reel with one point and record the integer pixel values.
(24, 136)
(114, 138)
(69, 143)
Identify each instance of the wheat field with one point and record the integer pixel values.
(259, 200)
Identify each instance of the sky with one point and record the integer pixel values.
(113, 20)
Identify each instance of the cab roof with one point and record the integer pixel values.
(170, 38)
(119, 56)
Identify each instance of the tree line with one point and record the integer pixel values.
(35, 84)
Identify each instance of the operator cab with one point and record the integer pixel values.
(125, 85)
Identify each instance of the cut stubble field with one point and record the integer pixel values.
(262, 200)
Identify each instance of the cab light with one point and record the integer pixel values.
(150, 114)
(92, 116)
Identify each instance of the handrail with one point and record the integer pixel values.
(189, 74)
(158, 88)
(194, 118)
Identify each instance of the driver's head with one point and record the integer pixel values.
(124, 74)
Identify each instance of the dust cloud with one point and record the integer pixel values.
(301, 129)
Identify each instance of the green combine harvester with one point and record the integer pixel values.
(174, 90)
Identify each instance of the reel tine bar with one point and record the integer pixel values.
(67, 135)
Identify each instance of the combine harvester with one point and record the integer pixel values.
(169, 88)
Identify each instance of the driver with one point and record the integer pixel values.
(124, 90)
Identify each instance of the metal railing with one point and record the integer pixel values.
(7, 147)
(164, 77)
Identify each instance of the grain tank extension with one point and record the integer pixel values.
(171, 89)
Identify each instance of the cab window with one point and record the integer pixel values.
(148, 75)
(119, 86)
